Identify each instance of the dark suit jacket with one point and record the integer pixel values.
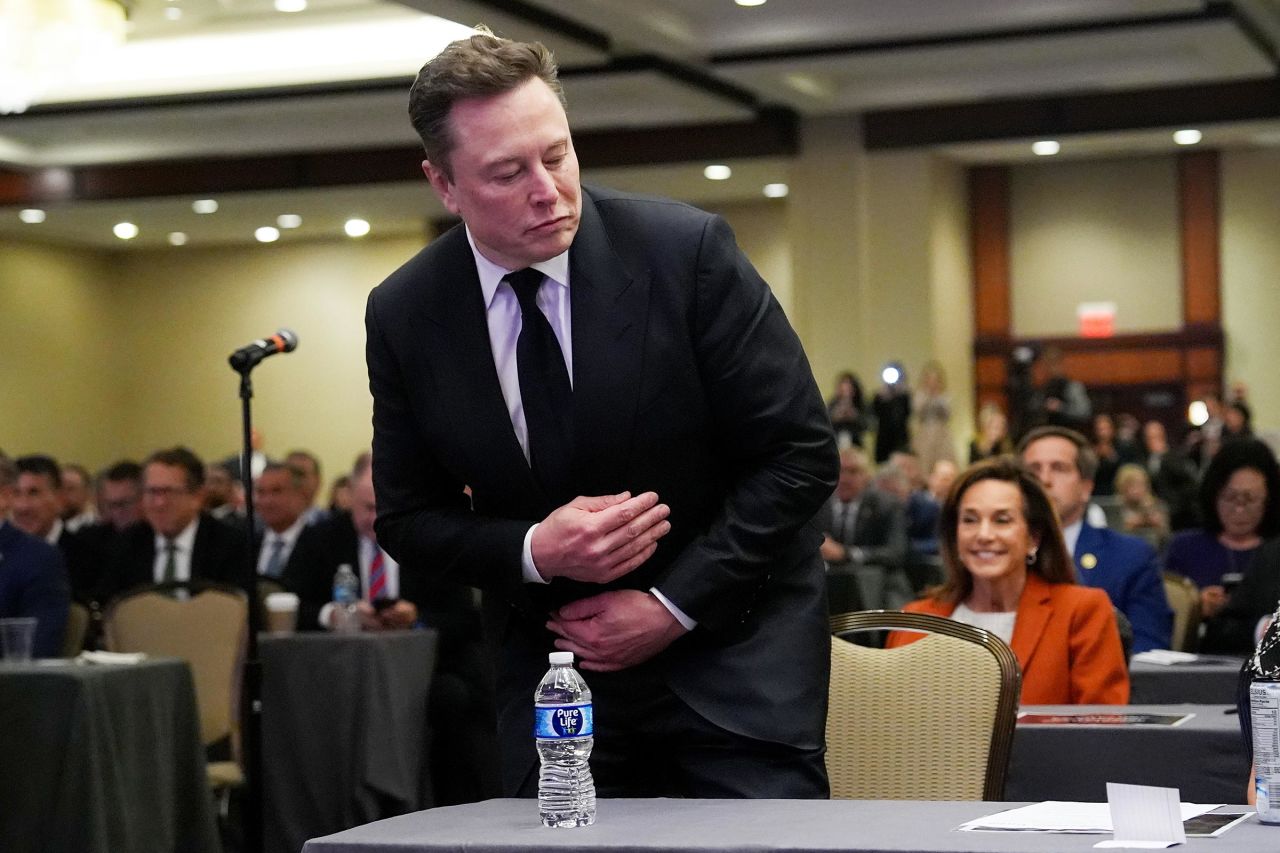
(1231, 631)
(1126, 567)
(880, 530)
(688, 381)
(83, 553)
(218, 554)
(33, 582)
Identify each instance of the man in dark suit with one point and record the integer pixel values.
(33, 581)
(641, 436)
(865, 530)
(175, 541)
(1125, 566)
(464, 754)
(37, 510)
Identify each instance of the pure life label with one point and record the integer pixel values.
(551, 722)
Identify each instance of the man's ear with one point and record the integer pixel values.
(442, 185)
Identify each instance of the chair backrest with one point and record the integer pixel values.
(78, 619)
(1184, 599)
(205, 625)
(932, 720)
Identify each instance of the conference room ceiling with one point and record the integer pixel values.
(657, 89)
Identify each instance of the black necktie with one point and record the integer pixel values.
(545, 392)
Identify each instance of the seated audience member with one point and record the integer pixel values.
(1173, 476)
(175, 542)
(37, 510)
(1141, 514)
(340, 495)
(866, 529)
(1008, 571)
(77, 507)
(257, 458)
(1124, 566)
(119, 495)
(1110, 455)
(223, 495)
(308, 464)
(281, 502)
(925, 507)
(1247, 613)
(1237, 421)
(1240, 502)
(993, 434)
(33, 581)
(464, 759)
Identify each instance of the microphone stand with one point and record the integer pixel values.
(251, 693)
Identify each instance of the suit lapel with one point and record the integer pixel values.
(1034, 611)
(609, 302)
(451, 323)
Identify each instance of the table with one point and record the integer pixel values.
(344, 731)
(102, 759)
(735, 826)
(1204, 757)
(1208, 681)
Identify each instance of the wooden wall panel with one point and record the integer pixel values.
(1199, 221)
(989, 225)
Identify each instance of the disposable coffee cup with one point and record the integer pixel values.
(17, 634)
(282, 612)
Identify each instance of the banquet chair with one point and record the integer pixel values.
(206, 625)
(931, 720)
(1184, 599)
(78, 621)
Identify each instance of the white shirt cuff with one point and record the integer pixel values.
(527, 569)
(325, 610)
(681, 616)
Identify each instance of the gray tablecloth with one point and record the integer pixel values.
(1204, 757)
(344, 731)
(1211, 681)
(102, 759)
(735, 826)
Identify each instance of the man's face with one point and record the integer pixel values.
(278, 500)
(853, 479)
(218, 486)
(75, 493)
(120, 502)
(515, 175)
(310, 476)
(364, 507)
(37, 504)
(1153, 435)
(168, 504)
(1052, 459)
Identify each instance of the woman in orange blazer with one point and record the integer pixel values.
(1008, 571)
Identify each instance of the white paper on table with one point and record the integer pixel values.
(111, 657)
(1062, 817)
(1144, 817)
(1164, 657)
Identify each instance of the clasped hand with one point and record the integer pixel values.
(599, 539)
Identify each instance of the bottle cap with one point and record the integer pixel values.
(560, 657)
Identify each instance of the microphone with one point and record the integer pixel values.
(245, 358)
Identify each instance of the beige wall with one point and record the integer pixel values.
(1095, 231)
(1251, 276)
(761, 229)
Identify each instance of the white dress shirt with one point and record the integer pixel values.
(502, 312)
(390, 572)
(184, 545)
(289, 538)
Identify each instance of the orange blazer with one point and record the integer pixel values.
(1066, 641)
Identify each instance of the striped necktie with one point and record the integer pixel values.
(377, 576)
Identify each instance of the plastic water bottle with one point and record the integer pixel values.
(346, 591)
(562, 727)
(1264, 714)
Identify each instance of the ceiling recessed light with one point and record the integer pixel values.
(267, 234)
(290, 5)
(1045, 148)
(204, 205)
(177, 238)
(1187, 137)
(173, 13)
(356, 227)
(776, 190)
(750, 2)
(31, 216)
(717, 172)
(288, 220)
(125, 230)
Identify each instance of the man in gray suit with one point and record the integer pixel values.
(641, 437)
(865, 532)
